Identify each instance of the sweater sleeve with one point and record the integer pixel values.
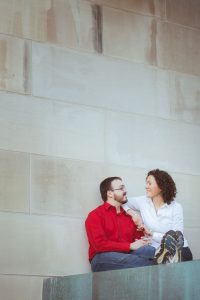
(97, 237)
(157, 236)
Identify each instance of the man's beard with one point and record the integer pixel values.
(122, 200)
(125, 200)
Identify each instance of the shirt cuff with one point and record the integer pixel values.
(157, 236)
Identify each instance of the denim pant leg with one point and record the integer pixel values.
(186, 254)
(147, 251)
(117, 260)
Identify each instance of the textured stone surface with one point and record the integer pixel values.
(64, 22)
(188, 196)
(192, 234)
(146, 40)
(21, 287)
(99, 81)
(14, 181)
(176, 281)
(149, 142)
(184, 51)
(150, 7)
(185, 12)
(115, 84)
(15, 65)
(39, 245)
(184, 97)
(51, 127)
(64, 187)
(154, 282)
(77, 287)
(133, 36)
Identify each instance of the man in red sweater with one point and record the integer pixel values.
(114, 241)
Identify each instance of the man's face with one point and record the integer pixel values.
(119, 191)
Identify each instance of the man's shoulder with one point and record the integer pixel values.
(97, 211)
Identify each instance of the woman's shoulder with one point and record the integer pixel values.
(176, 205)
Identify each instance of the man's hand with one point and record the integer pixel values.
(139, 243)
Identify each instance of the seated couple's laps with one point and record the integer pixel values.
(138, 231)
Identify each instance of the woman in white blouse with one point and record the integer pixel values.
(159, 211)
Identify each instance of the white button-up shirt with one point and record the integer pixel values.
(167, 217)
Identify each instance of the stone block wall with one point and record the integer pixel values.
(90, 89)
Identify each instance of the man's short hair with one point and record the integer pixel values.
(105, 186)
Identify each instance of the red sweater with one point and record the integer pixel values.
(108, 231)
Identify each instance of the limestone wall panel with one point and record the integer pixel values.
(148, 143)
(38, 245)
(183, 12)
(15, 65)
(67, 23)
(14, 181)
(64, 187)
(178, 48)
(151, 7)
(133, 36)
(51, 128)
(21, 287)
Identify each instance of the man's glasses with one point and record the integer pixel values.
(123, 188)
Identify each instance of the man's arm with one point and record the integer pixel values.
(97, 237)
(98, 240)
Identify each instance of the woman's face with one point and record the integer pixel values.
(152, 189)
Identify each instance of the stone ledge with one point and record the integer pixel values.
(172, 281)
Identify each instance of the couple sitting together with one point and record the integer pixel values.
(119, 237)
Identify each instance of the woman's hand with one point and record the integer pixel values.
(139, 243)
(147, 231)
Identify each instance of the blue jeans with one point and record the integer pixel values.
(119, 260)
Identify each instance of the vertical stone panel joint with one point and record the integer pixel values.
(151, 5)
(27, 68)
(3, 60)
(152, 55)
(97, 28)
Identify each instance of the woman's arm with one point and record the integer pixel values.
(135, 216)
(177, 217)
(137, 219)
(133, 203)
(132, 207)
(177, 222)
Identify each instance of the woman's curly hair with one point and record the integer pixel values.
(165, 183)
